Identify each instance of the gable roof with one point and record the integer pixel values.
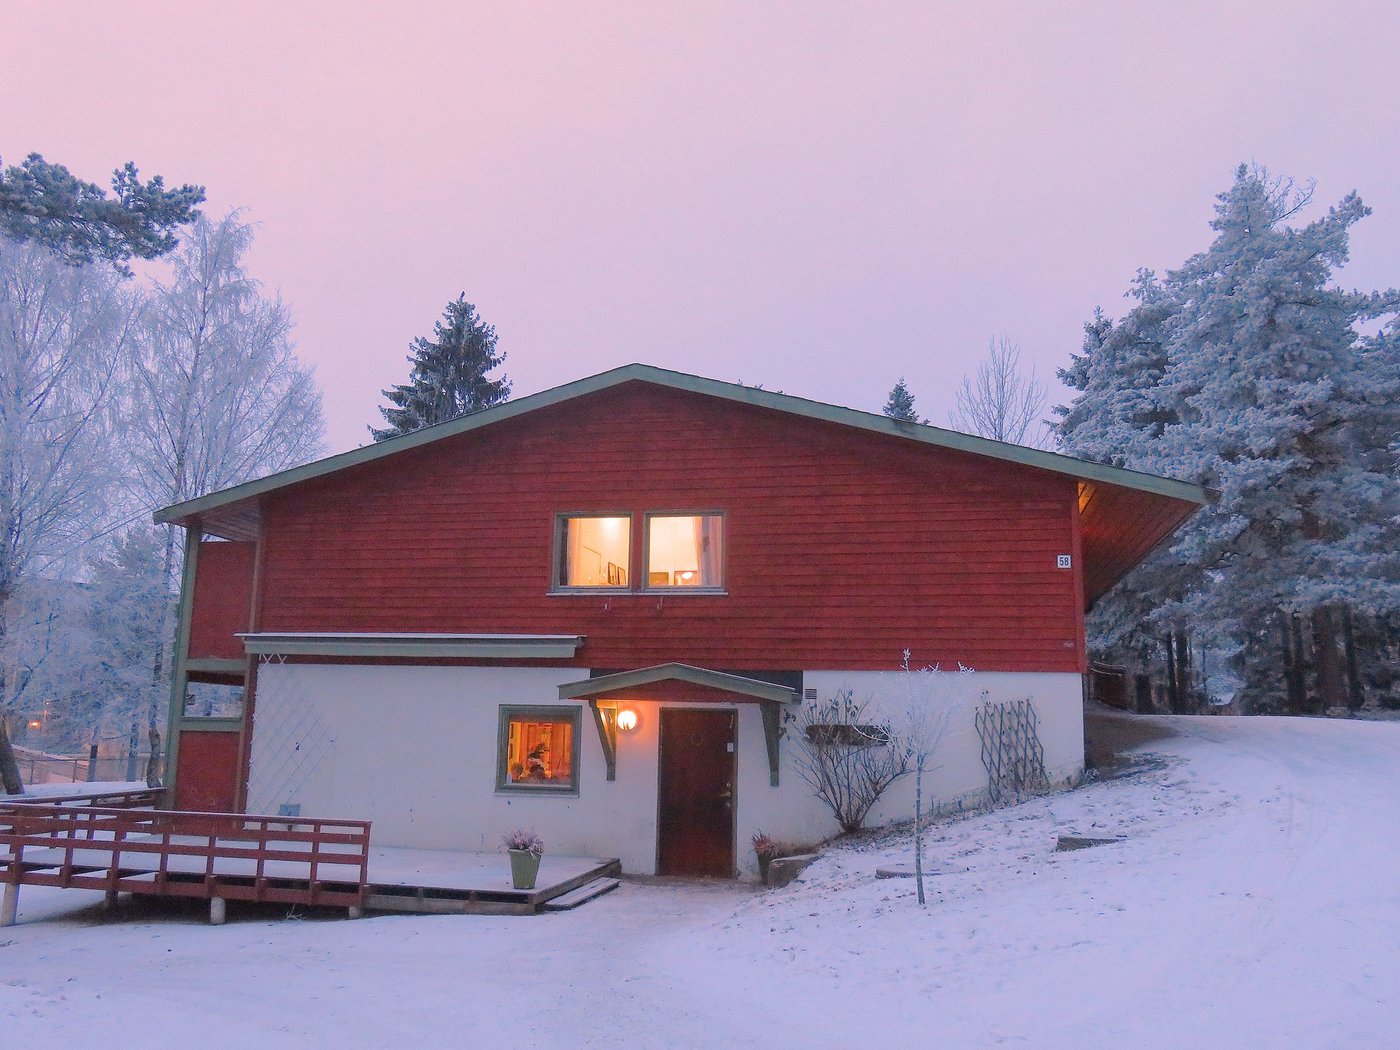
(191, 511)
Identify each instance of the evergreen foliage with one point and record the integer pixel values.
(1246, 370)
(77, 221)
(447, 376)
(900, 404)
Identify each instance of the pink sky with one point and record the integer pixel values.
(814, 197)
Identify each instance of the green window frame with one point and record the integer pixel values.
(518, 725)
(609, 570)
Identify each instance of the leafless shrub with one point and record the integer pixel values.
(846, 756)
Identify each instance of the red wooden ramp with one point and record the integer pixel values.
(212, 856)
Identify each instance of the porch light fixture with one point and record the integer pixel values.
(627, 720)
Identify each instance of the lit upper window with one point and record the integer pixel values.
(593, 551)
(685, 550)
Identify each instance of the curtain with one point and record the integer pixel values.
(570, 573)
(709, 544)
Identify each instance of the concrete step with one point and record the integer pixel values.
(583, 894)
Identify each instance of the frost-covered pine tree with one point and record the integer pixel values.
(75, 220)
(1119, 417)
(447, 376)
(900, 404)
(1254, 379)
(1282, 407)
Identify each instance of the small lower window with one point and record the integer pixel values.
(538, 749)
(213, 700)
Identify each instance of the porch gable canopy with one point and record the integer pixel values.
(659, 682)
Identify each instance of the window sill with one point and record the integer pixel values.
(666, 591)
(536, 792)
(566, 591)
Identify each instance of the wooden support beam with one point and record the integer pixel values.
(179, 680)
(607, 735)
(772, 730)
(9, 909)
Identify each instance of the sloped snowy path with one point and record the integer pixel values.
(1256, 902)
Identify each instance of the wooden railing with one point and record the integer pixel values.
(135, 798)
(214, 856)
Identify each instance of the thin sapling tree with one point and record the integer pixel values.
(930, 699)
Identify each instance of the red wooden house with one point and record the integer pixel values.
(590, 610)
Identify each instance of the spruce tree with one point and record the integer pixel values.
(900, 404)
(447, 376)
(1245, 371)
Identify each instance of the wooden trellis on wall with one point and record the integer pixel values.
(1011, 749)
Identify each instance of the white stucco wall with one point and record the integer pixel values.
(413, 749)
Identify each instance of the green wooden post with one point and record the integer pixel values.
(179, 672)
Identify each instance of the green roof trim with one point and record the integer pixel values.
(429, 646)
(800, 406)
(701, 676)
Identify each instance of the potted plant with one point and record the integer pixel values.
(765, 849)
(525, 848)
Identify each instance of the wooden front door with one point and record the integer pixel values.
(695, 822)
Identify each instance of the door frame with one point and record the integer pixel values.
(733, 711)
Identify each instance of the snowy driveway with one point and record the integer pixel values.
(1256, 903)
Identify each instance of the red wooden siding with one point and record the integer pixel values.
(843, 547)
(223, 593)
(206, 779)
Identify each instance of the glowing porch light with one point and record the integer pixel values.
(627, 720)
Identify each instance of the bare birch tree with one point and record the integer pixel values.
(216, 393)
(1003, 400)
(62, 330)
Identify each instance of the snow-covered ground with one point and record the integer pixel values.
(1255, 902)
(64, 789)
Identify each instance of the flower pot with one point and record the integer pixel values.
(524, 868)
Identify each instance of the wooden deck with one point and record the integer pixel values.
(288, 860)
(452, 882)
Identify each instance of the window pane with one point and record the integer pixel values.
(594, 552)
(540, 753)
(210, 700)
(685, 550)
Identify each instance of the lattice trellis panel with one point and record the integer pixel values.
(290, 741)
(1011, 749)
